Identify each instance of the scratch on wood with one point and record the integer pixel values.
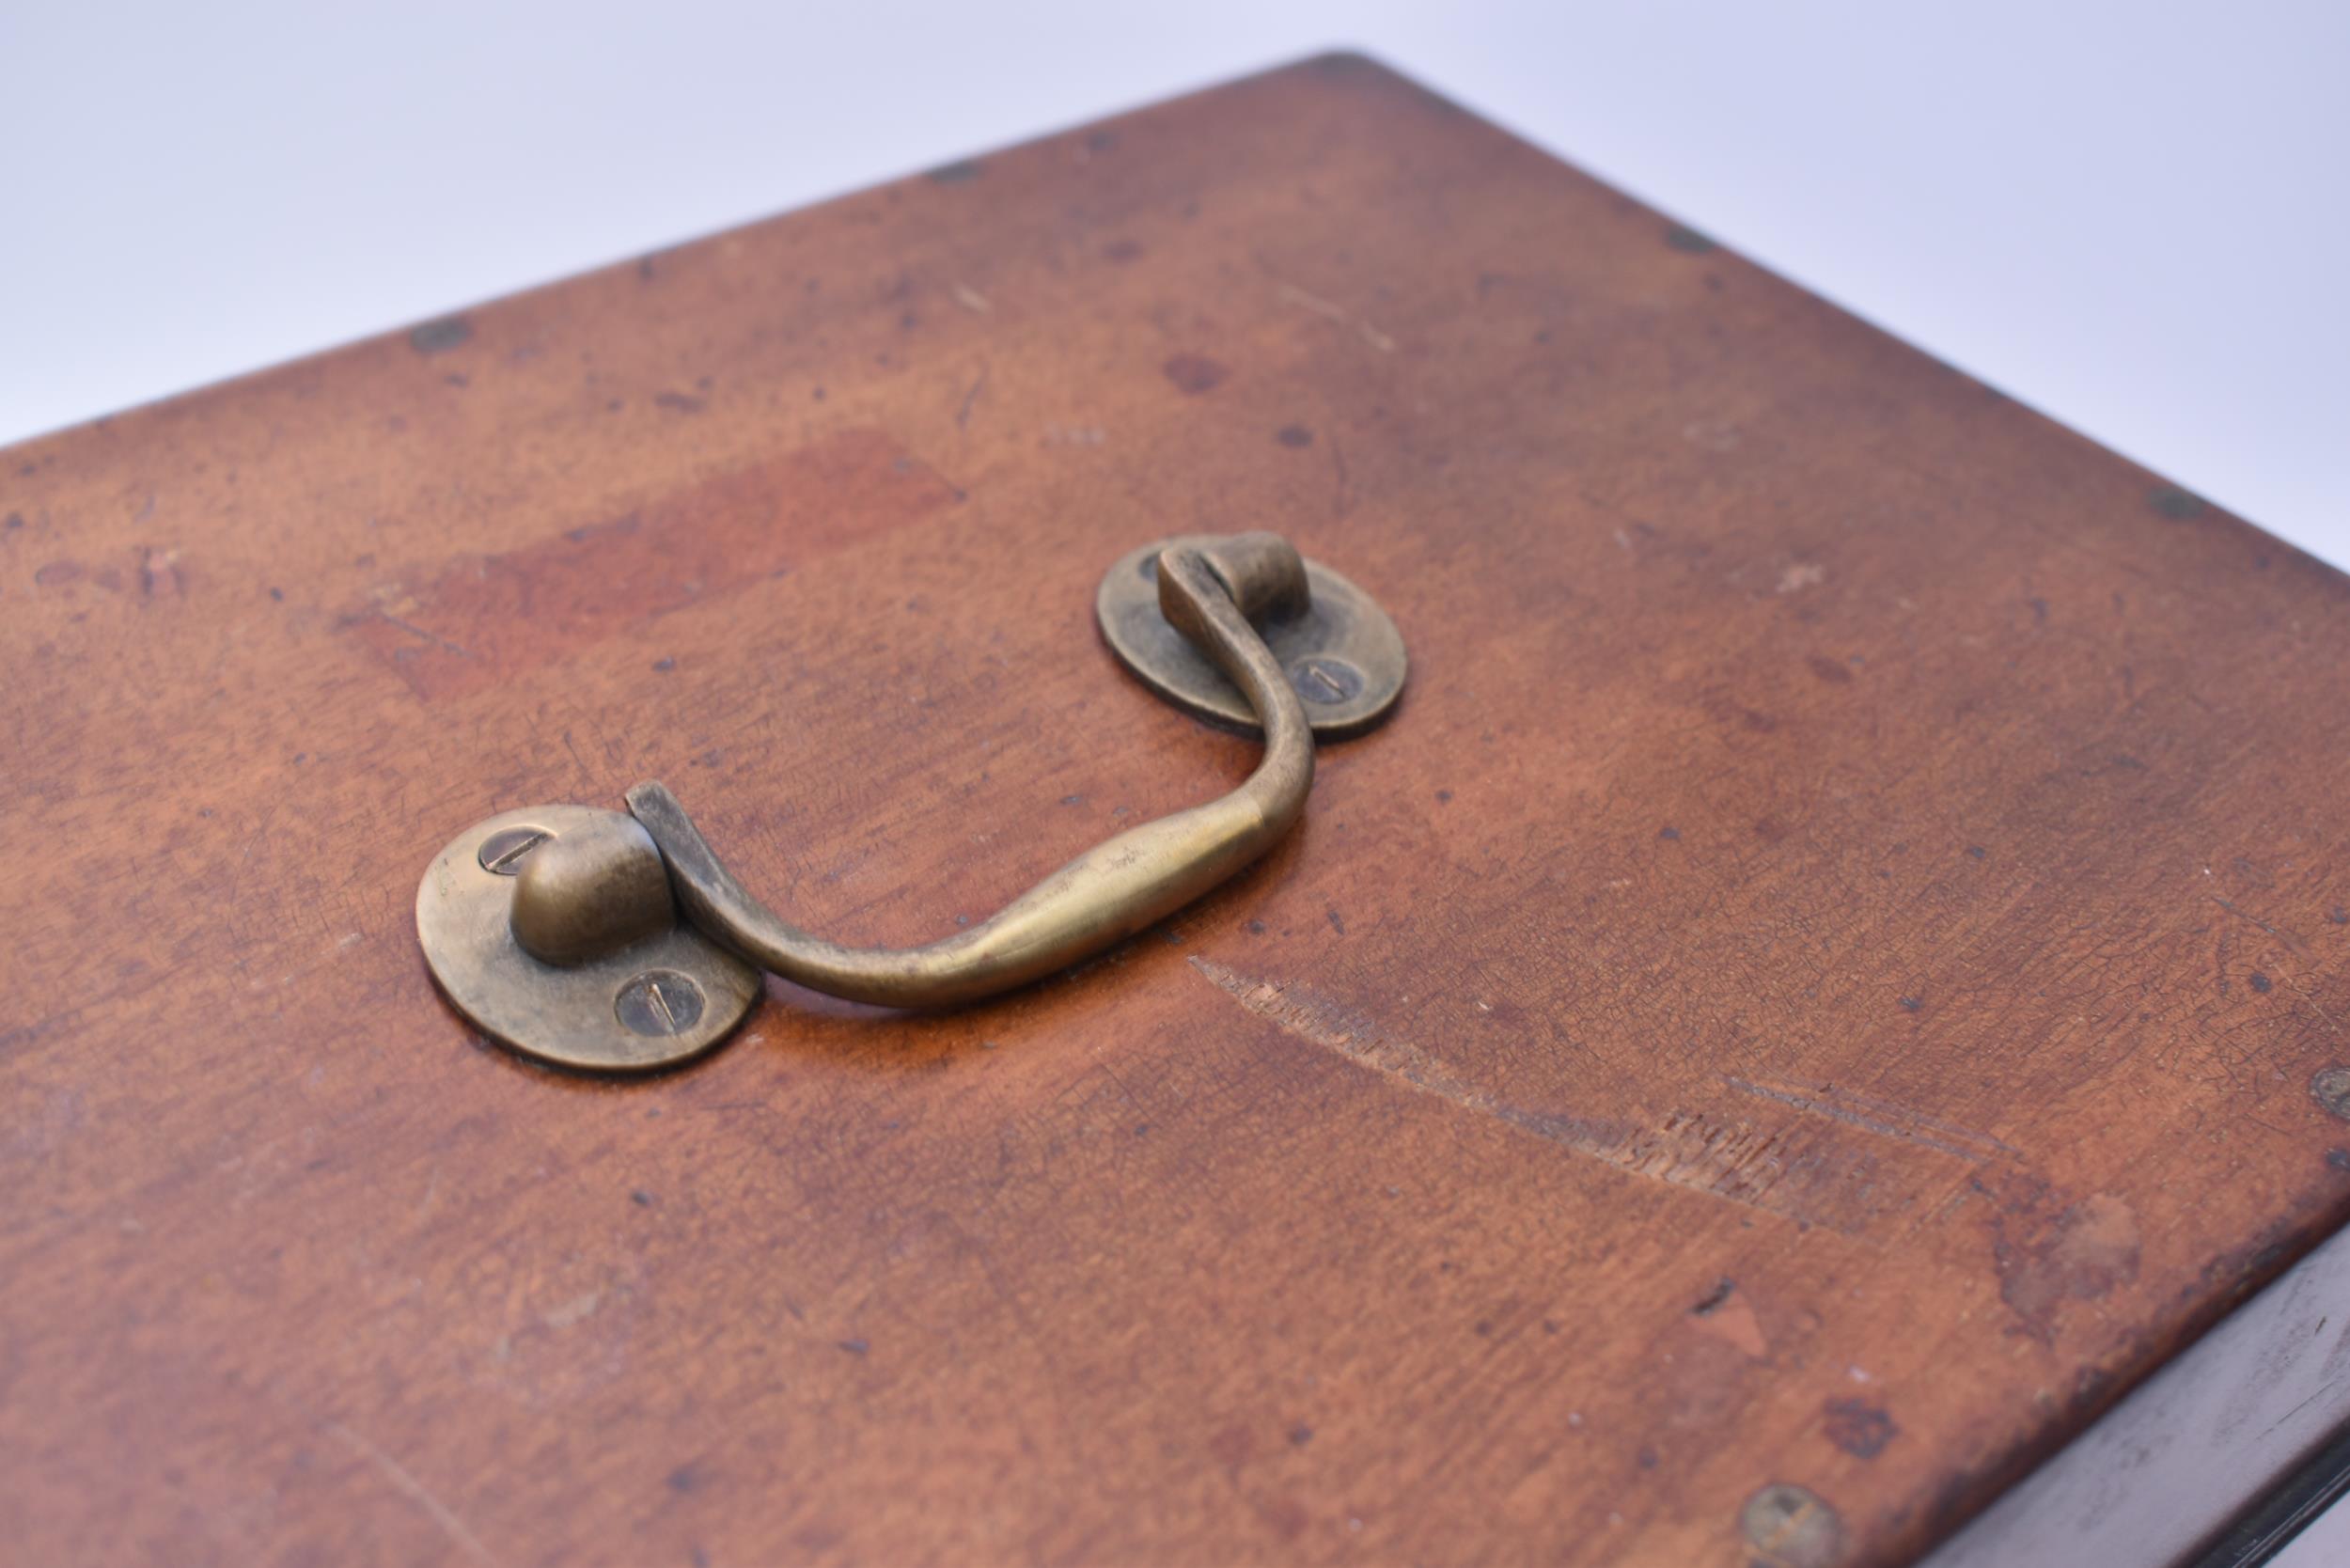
(581, 763)
(1881, 1117)
(2291, 941)
(415, 1491)
(1726, 1160)
(1338, 313)
(1311, 1018)
(578, 1309)
(963, 414)
(418, 631)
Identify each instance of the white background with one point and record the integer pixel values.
(2135, 217)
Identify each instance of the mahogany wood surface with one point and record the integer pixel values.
(1819, 984)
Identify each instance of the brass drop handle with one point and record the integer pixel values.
(1103, 895)
(533, 920)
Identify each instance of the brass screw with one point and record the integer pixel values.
(659, 1002)
(1791, 1527)
(2331, 1090)
(1323, 678)
(503, 852)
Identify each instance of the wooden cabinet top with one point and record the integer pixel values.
(1815, 991)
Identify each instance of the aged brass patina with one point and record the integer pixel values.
(1337, 646)
(556, 929)
(470, 916)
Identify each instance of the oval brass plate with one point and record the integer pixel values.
(1343, 655)
(654, 1004)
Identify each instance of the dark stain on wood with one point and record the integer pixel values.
(2050, 1249)
(1858, 1427)
(1195, 373)
(440, 335)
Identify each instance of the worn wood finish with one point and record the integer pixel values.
(1818, 984)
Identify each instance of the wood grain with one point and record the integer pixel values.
(1818, 984)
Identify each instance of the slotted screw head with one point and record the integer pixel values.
(1325, 678)
(504, 851)
(659, 1002)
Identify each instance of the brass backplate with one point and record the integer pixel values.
(654, 1004)
(1342, 655)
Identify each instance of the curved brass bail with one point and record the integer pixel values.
(1210, 594)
